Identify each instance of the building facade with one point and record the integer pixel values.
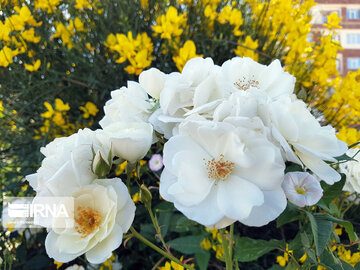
(348, 35)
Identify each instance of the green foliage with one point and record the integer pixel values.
(247, 249)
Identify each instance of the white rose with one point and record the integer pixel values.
(195, 90)
(127, 104)
(130, 141)
(244, 73)
(352, 171)
(103, 212)
(67, 163)
(304, 140)
(217, 173)
(152, 80)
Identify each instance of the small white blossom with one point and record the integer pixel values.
(156, 162)
(302, 189)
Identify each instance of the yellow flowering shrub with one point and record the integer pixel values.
(138, 51)
(170, 25)
(185, 53)
(60, 59)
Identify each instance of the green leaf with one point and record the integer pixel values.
(357, 266)
(187, 244)
(353, 145)
(164, 222)
(296, 243)
(349, 228)
(293, 167)
(179, 223)
(38, 262)
(331, 192)
(292, 265)
(290, 214)
(148, 231)
(332, 263)
(202, 259)
(344, 157)
(248, 249)
(321, 229)
(276, 267)
(305, 239)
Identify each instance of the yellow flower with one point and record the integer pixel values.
(82, 4)
(29, 35)
(108, 263)
(1, 108)
(135, 197)
(137, 51)
(144, 4)
(232, 16)
(333, 21)
(7, 55)
(187, 52)
(65, 33)
(26, 16)
(47, 5)
(50, 111)
(89, 47)
(170, 25)
(79, 26)
(303, 258)
(349, 135)
(282, 260)
(167, 266)
(205, 244)
(219, 251)
(34, 67)
(214, 232)
(89, 109)
(58, 119)
(58, 264)
(31, 53)
(173, 265)
(348, 256)
(246, 49)
(120, 168)
(4, 31)
(60, 106)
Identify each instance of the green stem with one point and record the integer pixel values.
(157, 249)
(225, 245)
(231, 239)
(156, 225)
(128, 178)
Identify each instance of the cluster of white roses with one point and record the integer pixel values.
(230, 130)
(103, 209)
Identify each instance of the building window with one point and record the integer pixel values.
(353, 38)
(338, 65)
(353, 62)
(353, 14)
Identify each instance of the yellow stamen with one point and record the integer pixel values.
(219, 169)
(87, 220)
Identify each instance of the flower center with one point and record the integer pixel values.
(244, 85)
(300, 190)
(87, 220)
(219, 169)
